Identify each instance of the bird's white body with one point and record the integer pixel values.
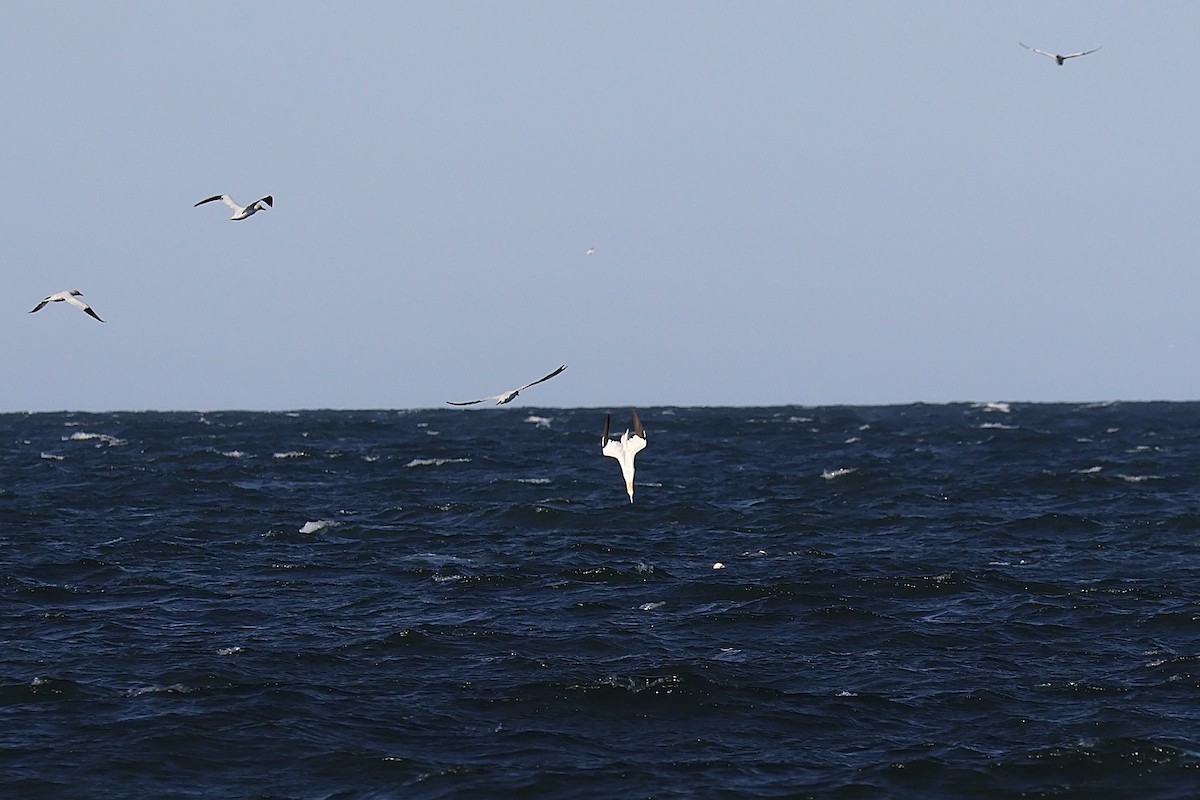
(510, 395)
(240, 212)
(71, 297)
(625, 449)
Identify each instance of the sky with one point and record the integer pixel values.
(790, 203)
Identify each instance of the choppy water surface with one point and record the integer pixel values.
(912, 601)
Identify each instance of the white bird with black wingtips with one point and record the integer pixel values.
(625, 449)
(261, 204)
(510, 395)
(1058, 59)
(71, 297)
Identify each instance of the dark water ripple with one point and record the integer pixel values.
(913, 601)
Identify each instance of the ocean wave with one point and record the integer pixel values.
(318, 525)
(831, 474)
(436, 462)
(104, 438)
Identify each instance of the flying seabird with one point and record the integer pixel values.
(238, 211)
(507, 397)
(625, 448)
(72, 298)
(591, 251)
(1058, 59)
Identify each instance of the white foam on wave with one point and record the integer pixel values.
(435, 462)
(1088, 471)
(233, 454)
(1139, 478)
(998, 426)
(729, 654)
(290, 454)
(651, 606)
(532, 480)
(84, 436)
(53, 457)
(318, 525)
(1003, 408)
(541, 422)
(830, 474)
(229, 651)
(174, 688)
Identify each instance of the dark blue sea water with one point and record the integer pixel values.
(926, 601)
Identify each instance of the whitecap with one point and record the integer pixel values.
(1003, 408)
(173, 688)
(84, 436)
(998, 426)
(532, 480)
(541, 422)
(1088, 471)
(229, 651)
(53, 457)
(290, 454)
(318, 525)
(830, 474)
(233, 454)
(435, 462)
(650, 606)
(1139, 478)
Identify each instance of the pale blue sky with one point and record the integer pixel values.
(791, 202)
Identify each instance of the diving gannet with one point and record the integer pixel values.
(238, 211)
(625, 448)
(507, 397)
(70, 297)
(1058, 59)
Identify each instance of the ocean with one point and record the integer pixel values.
(919, 601)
